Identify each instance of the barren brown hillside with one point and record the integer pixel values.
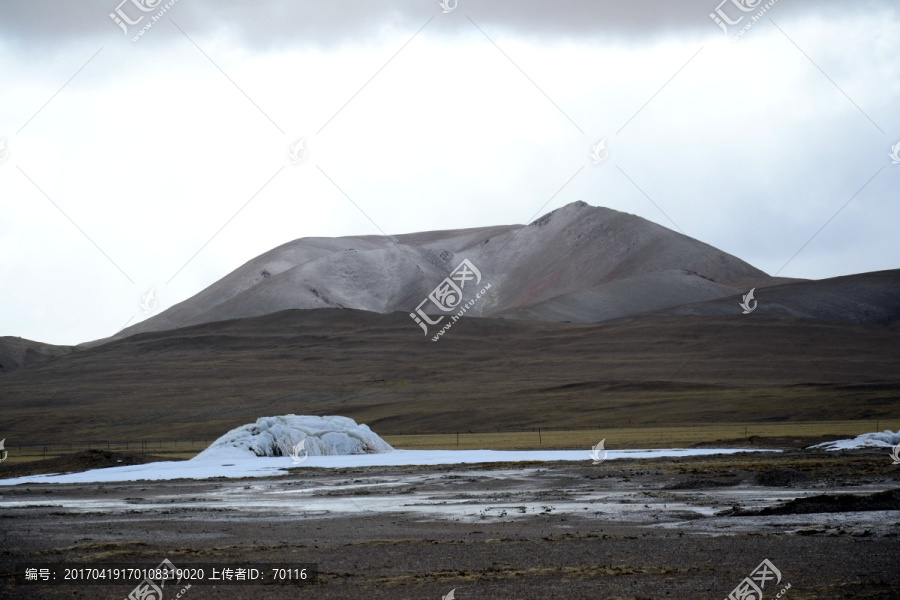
(484, 374)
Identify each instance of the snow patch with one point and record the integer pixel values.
(275, 466)
(277, 436)
(867, 440)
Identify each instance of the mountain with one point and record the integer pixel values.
(16, 352)
(862, 299)
(577, 263)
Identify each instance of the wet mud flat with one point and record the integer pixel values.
(692, 527)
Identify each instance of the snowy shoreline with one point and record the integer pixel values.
(275, 466)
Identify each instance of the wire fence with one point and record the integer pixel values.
(196, 445)
(45, 449)
(139, 446)
(656, 435)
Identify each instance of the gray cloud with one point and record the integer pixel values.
(287, 23)
(151, 149)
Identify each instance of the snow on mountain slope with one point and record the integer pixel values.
(566, 252)
(622, 297)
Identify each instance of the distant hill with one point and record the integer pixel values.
(863, 299)
(200, 381)
(577, 263)
(656, 336)
(16, 352)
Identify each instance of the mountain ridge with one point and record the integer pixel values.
(567, 251)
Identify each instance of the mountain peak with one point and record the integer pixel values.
(591, 263)
(563, 211)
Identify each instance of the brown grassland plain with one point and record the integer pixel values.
(484, 376)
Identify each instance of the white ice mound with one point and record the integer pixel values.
(277, 436)
(867, 440)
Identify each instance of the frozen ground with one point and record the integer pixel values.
(460, 494)
(301, 435)
(234, 464)
(630, 527)
(884, 439)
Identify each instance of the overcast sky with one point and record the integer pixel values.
(164, 163)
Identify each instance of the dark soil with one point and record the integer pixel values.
(80, 461)
(827, 503)
(624, 530)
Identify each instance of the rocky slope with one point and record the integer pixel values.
(577, 263)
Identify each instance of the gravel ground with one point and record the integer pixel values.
(624, 529)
